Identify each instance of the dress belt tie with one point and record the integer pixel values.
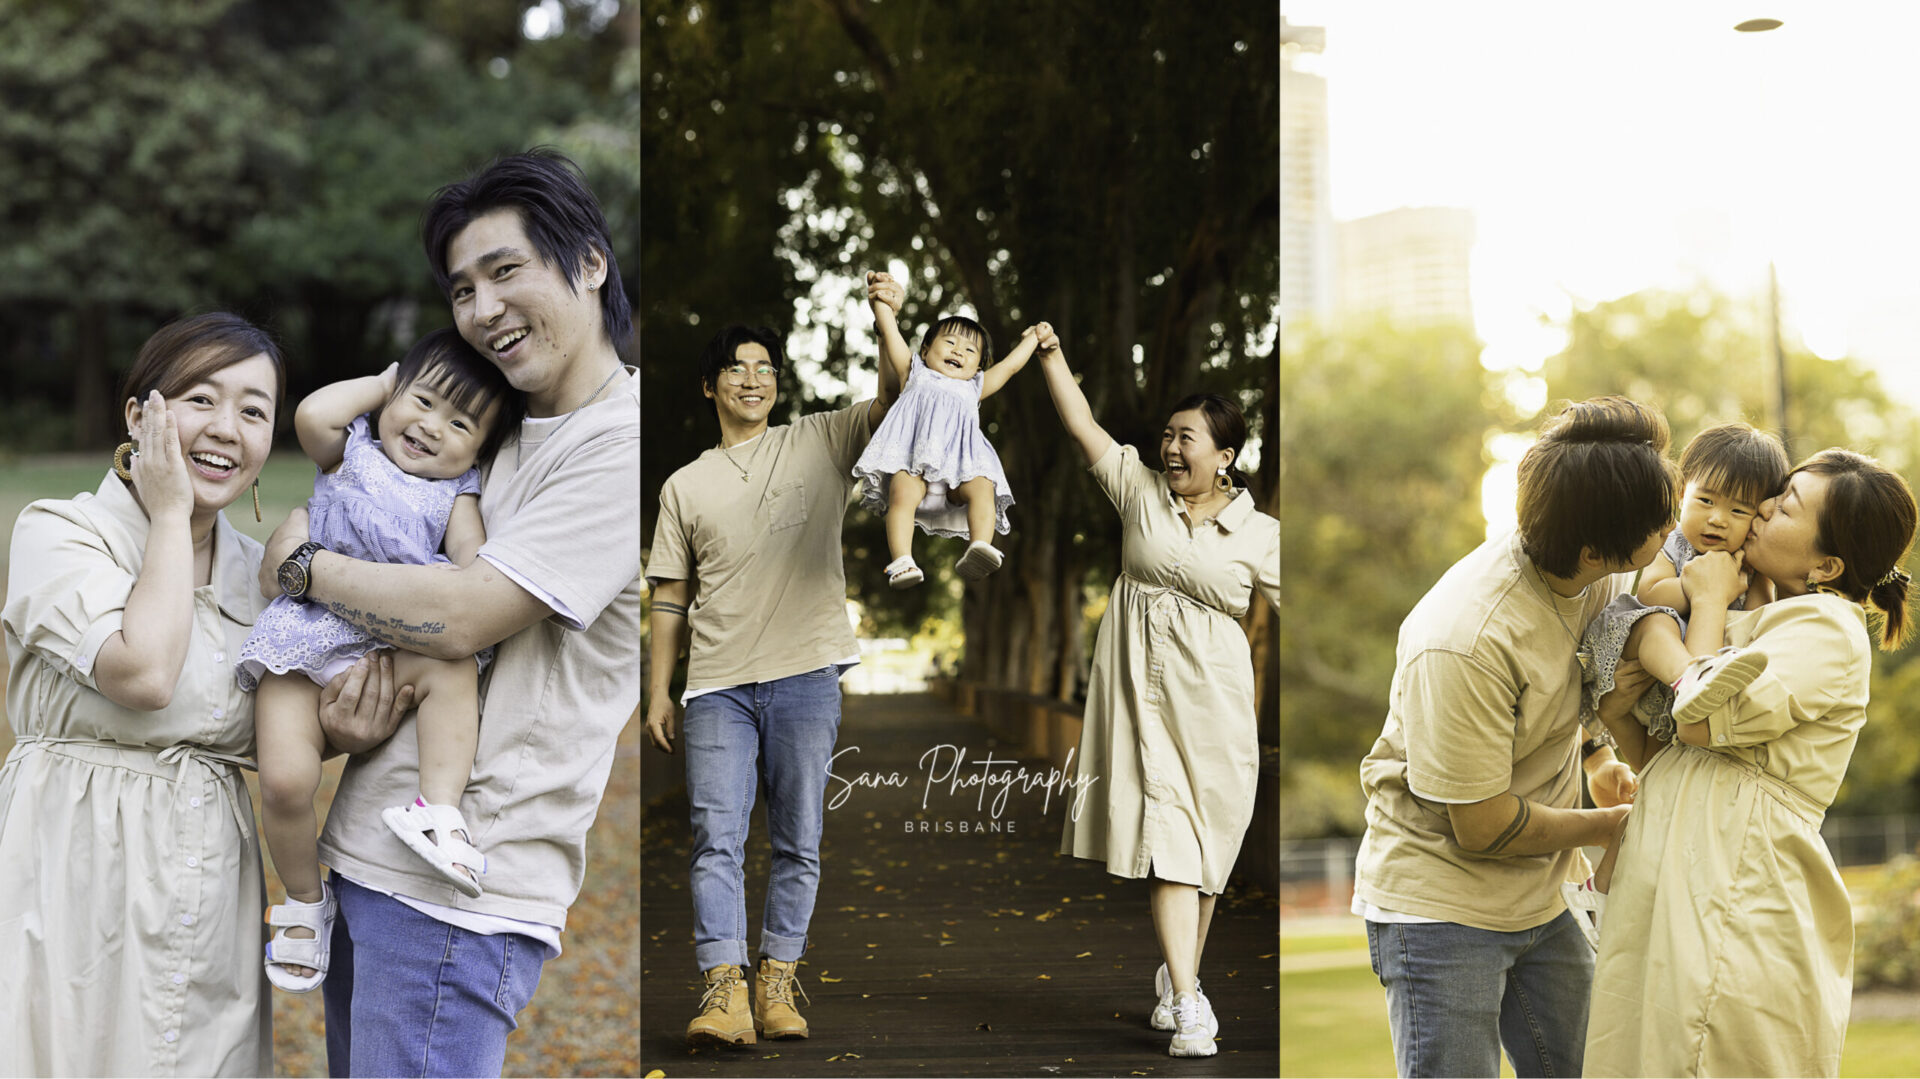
(183, 754)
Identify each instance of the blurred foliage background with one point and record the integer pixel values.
(1112, 168)
(1386, 434)
(162, 157)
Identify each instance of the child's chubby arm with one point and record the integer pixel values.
(1660, 586)
(998, 375)
(465, 532)
(885, 295)
(322, 419)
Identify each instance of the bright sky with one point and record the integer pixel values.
(1608, 148)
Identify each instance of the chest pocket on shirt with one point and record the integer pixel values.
(787, 506)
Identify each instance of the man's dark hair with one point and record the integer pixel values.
(719, 352)
(561, 216)
(1598, 477)
(469, 381)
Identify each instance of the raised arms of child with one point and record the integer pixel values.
(998, 375)
(322, 419)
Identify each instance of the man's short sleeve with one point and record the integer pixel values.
(65, 593)
(847, 431)
(577, 537)
(669, 558)
(1458, 717)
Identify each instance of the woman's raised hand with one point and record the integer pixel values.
(1715, 577)
(159, 468)
(882, 287)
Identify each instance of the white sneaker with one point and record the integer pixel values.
(1710, 681)
(1192, 1038)
(1588, 906)
(1163, 1018)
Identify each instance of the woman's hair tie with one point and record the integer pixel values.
(1894, 574)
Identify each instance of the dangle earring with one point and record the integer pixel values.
(1224, 482)
(256, 498)
(123, 456)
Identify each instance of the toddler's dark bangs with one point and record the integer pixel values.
(1743, 477)
(461, 386)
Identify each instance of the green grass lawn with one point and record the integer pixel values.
(1334, 1023)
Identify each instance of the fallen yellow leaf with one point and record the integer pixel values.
(1044, 917)
(1044, 977)
(824, 978)
(656, 1074)
(1083, 955)
(929, 975)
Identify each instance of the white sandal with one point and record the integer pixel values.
(459, 861)
(902, 573)
(284, 951)
(979, 560)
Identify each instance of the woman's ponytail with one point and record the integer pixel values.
(1891, 595)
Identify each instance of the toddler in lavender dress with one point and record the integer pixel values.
(397, 481)
(928, 462)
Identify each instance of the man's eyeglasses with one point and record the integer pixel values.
(737, 373)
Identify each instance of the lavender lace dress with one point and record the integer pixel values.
(370, 510)
(1606, 637)
(933, 430)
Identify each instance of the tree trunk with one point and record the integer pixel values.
(94, 420)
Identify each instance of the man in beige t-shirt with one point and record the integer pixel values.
(746, 562)
(1473, 788)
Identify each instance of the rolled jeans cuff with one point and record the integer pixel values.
(718, 953)
(785, 949)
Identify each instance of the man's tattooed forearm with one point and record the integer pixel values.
(412, 635)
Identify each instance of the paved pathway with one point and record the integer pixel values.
(950, 940)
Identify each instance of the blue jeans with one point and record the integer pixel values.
(781, 733)
(1456, 995)
(410, 995)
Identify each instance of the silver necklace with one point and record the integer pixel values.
(745, 476)
(617, 368)
(1580, 655)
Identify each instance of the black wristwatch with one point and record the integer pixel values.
(296, 573)
(1587, 748)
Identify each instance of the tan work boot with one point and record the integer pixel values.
(724, 1017)
(773, 1010)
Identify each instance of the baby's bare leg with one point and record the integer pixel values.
(448, 721)
(287, 729)
(904, 495)
(1655, 641)
(978, 495)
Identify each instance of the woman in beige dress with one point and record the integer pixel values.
(130, 929)
(1728, 942)
(1169, 757)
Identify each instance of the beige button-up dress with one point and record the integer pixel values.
(131, 894)
(1169, 756)
(1727, 947)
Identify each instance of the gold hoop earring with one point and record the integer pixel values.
(1224, 481)
(123, 456)
(256, 498)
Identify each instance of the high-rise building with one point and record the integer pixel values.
(1306, 208)
(1409, 265)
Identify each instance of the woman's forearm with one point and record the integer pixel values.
(1075, 414)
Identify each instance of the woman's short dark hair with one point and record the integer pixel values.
(1737, 460)
(187, 351)
(1868, 524)
(468, 381)
(719, 354)
(959, 324)
(562, 218)
(1226, 425)
(1598, 477)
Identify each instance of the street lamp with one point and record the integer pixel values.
(1755, 26)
